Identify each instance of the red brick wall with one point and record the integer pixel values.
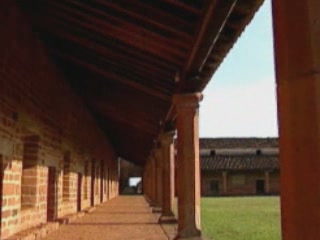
(35, 100)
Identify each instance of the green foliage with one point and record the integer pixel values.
(241, 218)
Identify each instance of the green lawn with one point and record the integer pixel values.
(241, 218)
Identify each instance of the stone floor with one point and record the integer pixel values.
(125, 217)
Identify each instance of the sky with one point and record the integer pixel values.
(134, 181)
(240, 100)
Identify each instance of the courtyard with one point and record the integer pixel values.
(241, 218)
(223, 218)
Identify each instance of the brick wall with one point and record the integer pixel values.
(274, 183)
(36, 103)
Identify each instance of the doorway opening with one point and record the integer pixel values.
(260, 187)
(52, 203)
(79, 192)
(214, 187)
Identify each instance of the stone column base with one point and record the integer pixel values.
(167, 220)
(189, 234)
(190, 238)
(157, 210)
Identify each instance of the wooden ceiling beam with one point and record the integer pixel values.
(142, 72)
(116, 52)
(144, 43)
(140, 75)
(57, 25)
(131, 143)
(176, 42)
(184, 6)
(152, 81)
(150, 72)
(212, 24)
(114, 77)
(152, 108)
(134, 150)
(140, 115)
(151, 14)
(134, 72)
(145, 19)
(110, 112)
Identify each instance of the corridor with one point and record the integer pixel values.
(124, 217)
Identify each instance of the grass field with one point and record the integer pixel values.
(241, 218)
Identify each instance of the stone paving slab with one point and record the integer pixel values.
(125, 217)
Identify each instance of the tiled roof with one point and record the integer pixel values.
(239, 162)
(215, 143)
(240, 151)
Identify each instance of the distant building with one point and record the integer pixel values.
(229, 166)
(239, 166)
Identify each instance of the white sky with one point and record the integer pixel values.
(240, 99)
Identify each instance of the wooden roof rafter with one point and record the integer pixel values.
(213, 22)
(129, 26)
(117, 51)
(137, 41)
(184, 6)
(151, 12)
(115, 77)
(101, 51)
(137, 74)
(115, 114)
(145, 19)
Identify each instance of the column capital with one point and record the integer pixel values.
(167, 137)
(187, 100)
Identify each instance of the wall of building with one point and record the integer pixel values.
(48, 140)
(238, 183)
(274, 182)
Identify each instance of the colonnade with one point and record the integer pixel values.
(159, 171)
(297, 55)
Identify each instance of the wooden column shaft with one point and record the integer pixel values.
(188, 165)
(297, 55)
(159, 174)
(168, 173)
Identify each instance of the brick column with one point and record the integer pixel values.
(297, 37)
(188, 165)
(168, 176)
(224, 182)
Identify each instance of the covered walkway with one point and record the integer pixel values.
(124, 217)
